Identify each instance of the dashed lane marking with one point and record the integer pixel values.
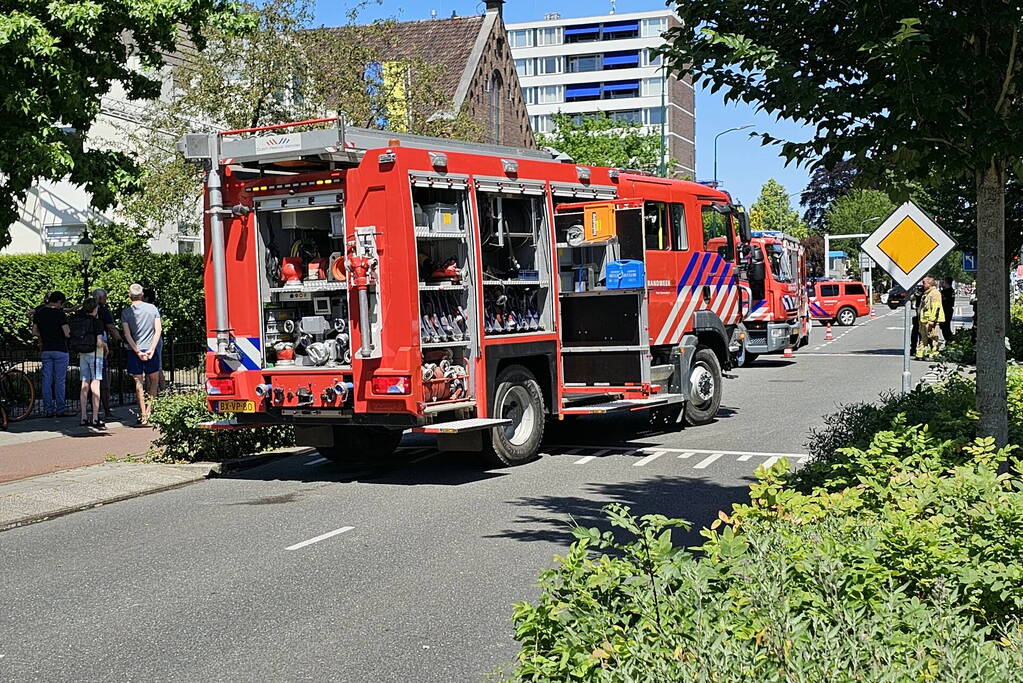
(583, 460)
(706, 462)
(744, 458)
(321, 537)
(650, 458)
(770, 461)
(317, 461)
(687, 454)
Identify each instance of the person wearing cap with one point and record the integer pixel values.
(142, 329)
(113, 338)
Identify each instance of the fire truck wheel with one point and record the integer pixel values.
(362, 444)
(846, 317)
(705, 393)
(518, 398)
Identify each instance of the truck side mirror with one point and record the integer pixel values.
(745, 234)
(757, 271)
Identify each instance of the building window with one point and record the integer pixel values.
(652, 87)
(617, 30)
(548, 36)
(529, 95)
(653, 28)
(520, 38)
(627, 116)
(582, 34)
(651, 59)
(497, 97)
(549, 65)
(541, 123)
(524, 67)
(62, 237)
(582, 92)
(581, 63)
(550, 94)
(653, 116)
(621, 60)
(620, 90)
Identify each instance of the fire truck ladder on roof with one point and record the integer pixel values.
(338, 143)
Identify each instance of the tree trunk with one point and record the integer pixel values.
(992, 303)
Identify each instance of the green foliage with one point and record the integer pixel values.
(773, 211)
(962, 347)
(121, 257)
(600, 140)
(177, 416)
(825, 186)
(57, 60)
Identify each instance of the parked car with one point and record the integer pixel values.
(896, 297)
(838, 301)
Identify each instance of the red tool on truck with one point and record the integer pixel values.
(360, 283)
(777, 314)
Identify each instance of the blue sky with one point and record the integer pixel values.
(743, 164)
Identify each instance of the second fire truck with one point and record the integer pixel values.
(361, 283)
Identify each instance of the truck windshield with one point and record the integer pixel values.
(781, 264)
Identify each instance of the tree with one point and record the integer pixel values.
(825, 186)
(600, 140)
(57, 60)
(813, 245)
(931, 90)
(284, 70)
(773, 211)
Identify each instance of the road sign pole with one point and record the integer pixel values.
(907, 338)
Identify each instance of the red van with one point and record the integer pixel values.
(838, 301)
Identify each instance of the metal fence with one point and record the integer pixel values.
(184, 368)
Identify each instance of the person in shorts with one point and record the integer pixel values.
(113, 339)
(142, 330)
(90, 363)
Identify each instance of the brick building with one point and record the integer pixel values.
(478, 69)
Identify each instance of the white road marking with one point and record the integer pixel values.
(321, 537)
(687, 454)
(744, 458)
(315, 462)
(706, 462)
(649, 458)
(895, 328)
(583, 460)
(803, 459)
(717, 450)
(770, 461)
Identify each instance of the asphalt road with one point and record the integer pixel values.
(302, 570)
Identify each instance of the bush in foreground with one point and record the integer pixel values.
(907, 570)
(177, 417)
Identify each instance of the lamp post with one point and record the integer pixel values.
(84, 249)
(748, 125)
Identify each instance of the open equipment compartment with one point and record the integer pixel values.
(515, 255)
(603, 314)
(303, 288)
(447, 296)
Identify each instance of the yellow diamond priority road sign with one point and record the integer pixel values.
(908, 244)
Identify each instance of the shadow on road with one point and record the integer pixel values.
(550, 518)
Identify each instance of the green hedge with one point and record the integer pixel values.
(121, 257)
(176, 418)
(896, 556)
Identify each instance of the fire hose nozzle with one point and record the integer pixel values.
(263, 390)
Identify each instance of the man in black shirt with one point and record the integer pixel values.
(948, 304)
(50, 326)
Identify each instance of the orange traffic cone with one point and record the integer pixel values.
(828, 336)
(872, 314)
(788, 353)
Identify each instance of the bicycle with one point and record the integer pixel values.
(17, 395)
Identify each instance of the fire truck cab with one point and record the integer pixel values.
(361, 283)
(777, 312)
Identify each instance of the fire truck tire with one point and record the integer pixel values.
(518, 397)
(354, 444)
(846, 316)
(705, 395)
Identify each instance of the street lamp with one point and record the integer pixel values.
(84, 249)
(748, 125)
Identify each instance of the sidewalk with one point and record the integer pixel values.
(45, 445)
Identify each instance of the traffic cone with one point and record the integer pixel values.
(872, 314)
(828, 336)
(788, 353)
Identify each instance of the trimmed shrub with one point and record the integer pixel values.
(25, 279)
(911, 574)
(177, 417)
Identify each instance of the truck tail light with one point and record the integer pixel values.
(397, 384)
(217, 387)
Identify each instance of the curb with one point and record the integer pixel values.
(250, 461)
(202, 472)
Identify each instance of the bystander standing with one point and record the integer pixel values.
(931, 316)
(87, 338)
(113, 344)
(142, 329)
(51, 329)
(948, 307)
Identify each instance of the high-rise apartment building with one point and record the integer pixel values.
(606, 63)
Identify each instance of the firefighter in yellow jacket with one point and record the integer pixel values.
(931, 317)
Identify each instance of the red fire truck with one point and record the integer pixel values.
(777, 314)
(361, 283)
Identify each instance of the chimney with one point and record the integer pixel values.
(494, 6)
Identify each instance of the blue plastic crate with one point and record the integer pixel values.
(625, 274)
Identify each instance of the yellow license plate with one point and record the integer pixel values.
(236, 406)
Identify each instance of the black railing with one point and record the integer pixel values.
(184, 368)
